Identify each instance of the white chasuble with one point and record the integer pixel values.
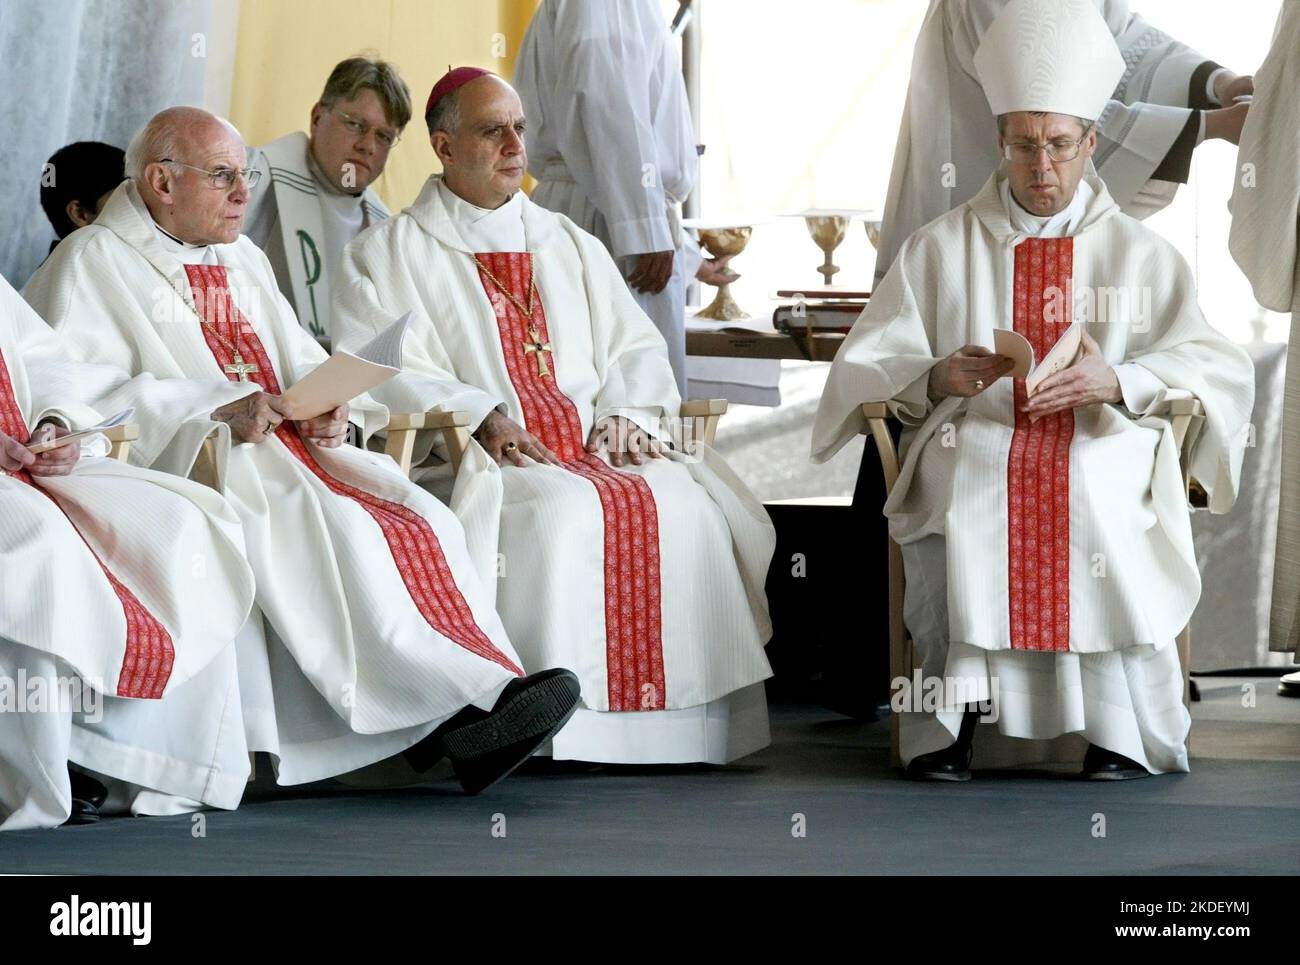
(362, 576)
(1064, 538)
(122, 594)
(647, 581)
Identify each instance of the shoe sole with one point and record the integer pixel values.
(532, 717)
(79, 819)
(932, 776)
(1119, 776)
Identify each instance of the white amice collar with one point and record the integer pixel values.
(1060, 225)
(487, 229)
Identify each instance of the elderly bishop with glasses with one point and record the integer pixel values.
(1042, 515)
(372, 634)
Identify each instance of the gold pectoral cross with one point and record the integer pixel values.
(238, 367)
(536, 345)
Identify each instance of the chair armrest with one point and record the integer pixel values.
(877, 416)
(401, 430)
(705, 414)
(1181, 413)
(120, 439)
(204, 471)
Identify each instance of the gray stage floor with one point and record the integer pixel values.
(1226, 817)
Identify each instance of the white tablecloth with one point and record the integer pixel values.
(740, 381)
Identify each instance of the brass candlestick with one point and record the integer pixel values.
(720, 242)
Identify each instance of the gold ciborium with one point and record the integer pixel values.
(720, 242)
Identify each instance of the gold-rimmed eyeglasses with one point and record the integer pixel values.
(384, 135)
(1058, 149)
(221, 178)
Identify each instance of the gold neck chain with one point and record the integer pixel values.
(238, 367)
(532, 288)
(235, 348)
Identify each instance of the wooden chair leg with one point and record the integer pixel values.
(900, 651)
(1184, 644)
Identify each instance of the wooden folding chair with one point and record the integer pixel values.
(902, 658)
(400, 442)
(120, 439)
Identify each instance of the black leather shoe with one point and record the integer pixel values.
(950, 764)
(529, 712)
(88, 796)
(1100, 764)
(83, 812)
(953, 762)
(428, 751)
(86, 788)
(484, 747)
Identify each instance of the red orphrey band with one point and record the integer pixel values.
(148, 655)
(411, 540)
(1038, 465)
(633, 619)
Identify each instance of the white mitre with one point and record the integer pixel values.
(1049, 55)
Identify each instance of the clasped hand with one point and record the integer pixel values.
(255, 418)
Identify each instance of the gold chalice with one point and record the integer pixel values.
(872, 225)
(720, 242)
(827, 231)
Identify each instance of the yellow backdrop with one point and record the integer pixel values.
(286, 49)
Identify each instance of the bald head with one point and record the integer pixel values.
(182, 162)
(482, 148)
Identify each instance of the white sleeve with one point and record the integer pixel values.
(1139, 386)
(605, 131)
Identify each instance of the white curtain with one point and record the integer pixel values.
(94, 70)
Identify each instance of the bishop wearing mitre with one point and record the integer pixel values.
(623, 552)
(1046, 537)
(122, 593)
(379, 635)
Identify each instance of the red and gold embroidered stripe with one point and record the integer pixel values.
(1038, 465)
(634, 655)
(149, 653)
(411, 540)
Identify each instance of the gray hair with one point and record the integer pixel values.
(445, 115)
(155, 141)
(161, 137)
